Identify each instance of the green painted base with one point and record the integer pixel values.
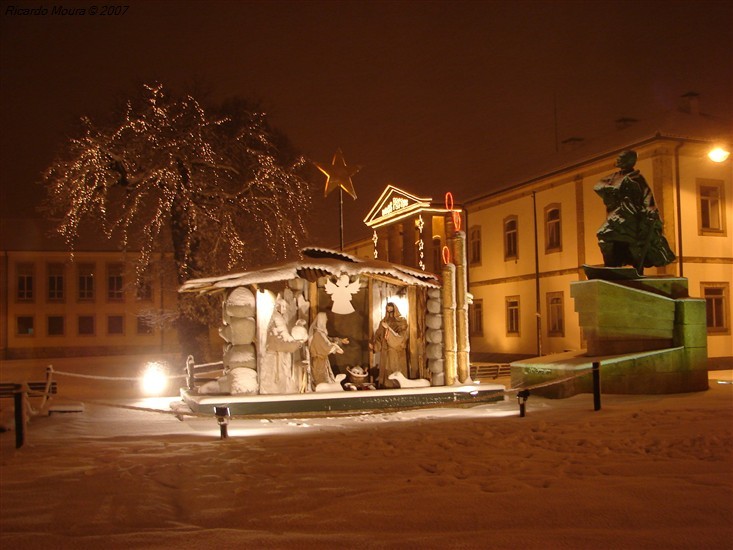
(675, 370)
(618, 319)
(648, 335)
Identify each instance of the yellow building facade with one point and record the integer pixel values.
(529, 243)
(91, 305)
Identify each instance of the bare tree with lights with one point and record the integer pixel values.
(224, 187)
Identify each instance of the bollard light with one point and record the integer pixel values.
(222, 418)
(522, 397)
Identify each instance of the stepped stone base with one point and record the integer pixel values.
(616, 318)
(673, 370)
(648, 335)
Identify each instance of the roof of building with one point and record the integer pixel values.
(676, 125)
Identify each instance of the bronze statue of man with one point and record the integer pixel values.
(632, 233)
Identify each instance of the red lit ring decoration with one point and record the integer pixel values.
(446, 255)
(449, 203)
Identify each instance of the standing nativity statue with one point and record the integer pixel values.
(280, 373)
(632, 233)
(390, 341)
(321, 345)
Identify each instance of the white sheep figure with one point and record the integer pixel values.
(332, 386)
(407, 383)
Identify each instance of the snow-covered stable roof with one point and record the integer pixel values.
(316, 262)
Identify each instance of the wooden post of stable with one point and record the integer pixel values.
(413, 367)
(463, 344)
(449, 323)
(190, 373)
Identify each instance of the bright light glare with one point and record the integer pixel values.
(718, 154)
(154, 380)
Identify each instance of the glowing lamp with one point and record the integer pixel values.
(154, 380)
(718, 154)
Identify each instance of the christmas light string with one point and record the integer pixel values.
(169, 158)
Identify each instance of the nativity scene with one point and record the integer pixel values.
(332, 324)
(368, 333)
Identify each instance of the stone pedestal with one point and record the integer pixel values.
(648, 335)
(616, 318)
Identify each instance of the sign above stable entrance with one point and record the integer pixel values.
(395, 204)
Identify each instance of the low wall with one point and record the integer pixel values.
(653, 372)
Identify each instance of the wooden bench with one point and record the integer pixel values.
(489, 370)
(194, 372)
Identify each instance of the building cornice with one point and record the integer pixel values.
(583, 162)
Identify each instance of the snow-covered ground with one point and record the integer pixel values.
(644, 472)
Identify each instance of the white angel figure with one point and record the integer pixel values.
(341, 294)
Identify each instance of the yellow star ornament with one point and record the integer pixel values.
(338, 174)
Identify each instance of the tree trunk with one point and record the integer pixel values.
(193, 338)
(192, 333)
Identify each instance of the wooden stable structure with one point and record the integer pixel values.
(302, 289)
(307, 279)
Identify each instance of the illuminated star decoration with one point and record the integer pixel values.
(338, 174)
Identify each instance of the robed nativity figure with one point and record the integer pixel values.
(390, 341)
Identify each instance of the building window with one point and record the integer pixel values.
(143, 326)
(86, 282)
(115, 324)
(512, 315)
(24, 325)
(144, 286)
(24, 291)
(710, 204)
(115, 280)
(553, 229)
(717, 305)
(86, 325)
(474, 254)
(55, 282)
(55, 325)
(510, 238)
(144, 291)
(555, 314)
(476, 318)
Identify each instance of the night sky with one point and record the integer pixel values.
(428, 96)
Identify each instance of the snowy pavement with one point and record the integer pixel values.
(644, 472)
